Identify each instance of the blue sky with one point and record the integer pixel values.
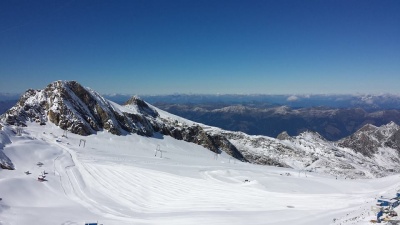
(188, 46)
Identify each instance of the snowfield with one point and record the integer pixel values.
(119, 180)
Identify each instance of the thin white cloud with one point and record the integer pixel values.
(292, 98)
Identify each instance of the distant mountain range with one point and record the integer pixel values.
(7, 100)
(370, 152)
(366, 102)
(9, 96)
(332, 116)
(263, 119)
(6, 104)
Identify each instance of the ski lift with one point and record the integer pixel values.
(65, 134)
(82, 141)
(216, 155)
(158, 149)
(19, 131)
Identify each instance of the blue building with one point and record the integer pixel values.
(388, 202)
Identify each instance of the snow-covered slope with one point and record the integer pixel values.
(119, 180)
(311, 152)
(136, 164)
(83, 111)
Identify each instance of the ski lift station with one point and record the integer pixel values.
(388, 202)
(387, 209)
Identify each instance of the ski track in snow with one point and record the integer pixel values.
(118, 180)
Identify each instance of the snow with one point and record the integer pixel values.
(118, 180)
(166, 115)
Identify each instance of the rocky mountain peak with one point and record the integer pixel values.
(83, 111)
(368, 128)
(389, 128)
(283, 136)
(135, 103)
(369, 138)
(311, 135)
(72, 107)
(392, 124)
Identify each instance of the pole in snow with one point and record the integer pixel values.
(19, 131)
(158, 149)
(82, 141)
(65, 133)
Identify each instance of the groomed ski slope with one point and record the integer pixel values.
(119, 180)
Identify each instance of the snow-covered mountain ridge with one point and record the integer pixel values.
(311, 152)
(369, 139)
(83, 111)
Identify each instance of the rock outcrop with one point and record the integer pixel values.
(5, 162)
(283, 136)
(370, 138)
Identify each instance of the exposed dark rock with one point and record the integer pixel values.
(394, 141)
(196, 134)
(142, 106)
(369, 138)
(6, 166)
(5, 162)
(283, 136)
